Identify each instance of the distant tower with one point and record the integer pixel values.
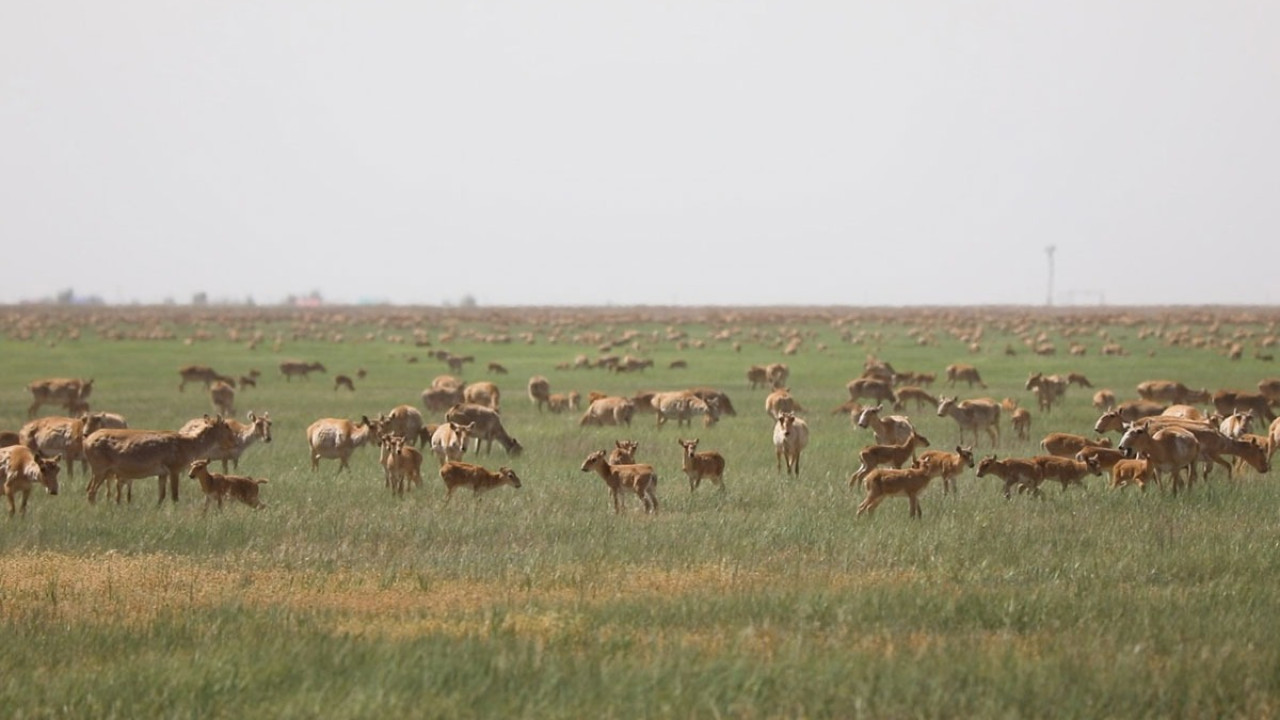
(1049, 251)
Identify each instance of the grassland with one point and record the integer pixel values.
(766, 600)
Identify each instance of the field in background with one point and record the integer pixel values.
(768, 599)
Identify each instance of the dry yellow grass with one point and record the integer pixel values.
(134, 590)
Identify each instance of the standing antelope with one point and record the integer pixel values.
(449, 441)
(790, 437)
(539, 391)
(337, 438)
(947, 465)
(640, 479)
(245, 434)
(1169, 448)
(402, 463)
(697, 465)
(21, 469)
(623, 452)
(889, 430)
(67, 392)
(223, 397)
(888, 482)
(405, 421)
(873, 456)
(967, 373)
(128, 455)
(1021, 422)
(972, 415)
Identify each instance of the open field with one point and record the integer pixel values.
(766, 600)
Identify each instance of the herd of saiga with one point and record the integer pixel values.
(1166, 437)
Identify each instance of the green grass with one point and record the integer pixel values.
(766, 600)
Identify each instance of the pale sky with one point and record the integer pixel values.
(689, 152)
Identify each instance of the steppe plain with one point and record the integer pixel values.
(768, 599)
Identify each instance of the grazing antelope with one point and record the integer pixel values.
(919, 395)
(1227, 402)
(483, 393)
(681, 405)
(1075, 378)
(1251, 450)
(486, 426)
(873, 388)
(780, 401)
(201, 374)
(1212, 443)
(851, 408)
(289, 368)
(56, 435)
(1170, 392)
(1104, 400)
(1105, 457)
(456, 362)
(609, 410)
(1188, 412)
(440, 399)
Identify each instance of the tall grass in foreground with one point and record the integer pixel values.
(765, 600)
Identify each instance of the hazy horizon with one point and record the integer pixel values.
(704, 153)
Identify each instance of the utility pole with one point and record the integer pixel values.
(1049, 251)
